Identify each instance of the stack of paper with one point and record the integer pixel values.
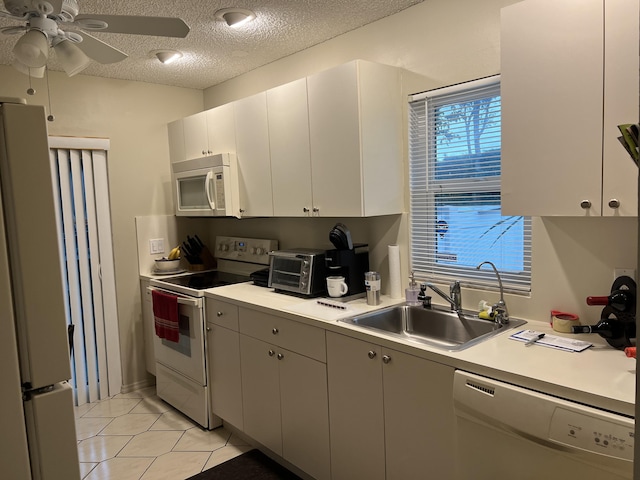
(551, 341)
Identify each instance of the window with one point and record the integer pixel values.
(454, 173)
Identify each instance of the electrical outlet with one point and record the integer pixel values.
(629, 272)
(156, 246)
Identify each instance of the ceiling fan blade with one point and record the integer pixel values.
(56, 5)
(99, 51)
(137, 25)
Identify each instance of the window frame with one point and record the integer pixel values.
(422, 232)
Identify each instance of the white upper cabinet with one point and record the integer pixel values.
(327, 145)
(254, 161)
(561, 104)
(221, 129)
(203, 134)
(290, 152)
(355, 131)
(176, 141)
(196, 142)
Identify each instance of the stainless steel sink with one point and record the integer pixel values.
(439, 328)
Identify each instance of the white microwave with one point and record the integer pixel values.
(207, 186)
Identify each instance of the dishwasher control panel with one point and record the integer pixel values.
(586, 432)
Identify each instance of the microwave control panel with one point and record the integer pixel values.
(254, 250)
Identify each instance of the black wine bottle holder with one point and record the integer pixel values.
(627, 318)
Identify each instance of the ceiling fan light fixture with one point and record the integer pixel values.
(37, 72)
(235, 17)
(32, 49)
(71, 58)
(167, 56)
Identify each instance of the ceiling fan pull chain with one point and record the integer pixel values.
(30, 90)
(50, 117)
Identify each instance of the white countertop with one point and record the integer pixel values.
(600, 376)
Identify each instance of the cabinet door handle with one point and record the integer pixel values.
(280, 356)
(219, 314)
(305, 209)
(316, 209)
(371, 354)
(614, 203)
(274, 331)
(586, 204)
(271, 353)
(208, 329)
(386, 359)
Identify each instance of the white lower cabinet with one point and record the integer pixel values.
(223, 358)
(284, 391)
(391, 414)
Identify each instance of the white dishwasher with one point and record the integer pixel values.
(509, 432)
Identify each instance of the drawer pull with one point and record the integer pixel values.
(280, 356)
(386, 359)
(371, 354)
(219, 314)
(271, 353)
(274, 331)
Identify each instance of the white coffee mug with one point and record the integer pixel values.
(336, 286)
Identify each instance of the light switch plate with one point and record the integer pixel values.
(156, 246)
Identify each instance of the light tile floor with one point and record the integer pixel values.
(137, 436)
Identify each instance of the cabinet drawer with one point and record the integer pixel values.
(222, 313)
(297, 337)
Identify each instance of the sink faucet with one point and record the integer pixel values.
(501, 313)
(454, 297)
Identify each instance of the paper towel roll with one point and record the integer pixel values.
(395, 283)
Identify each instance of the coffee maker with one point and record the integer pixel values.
(348, 260)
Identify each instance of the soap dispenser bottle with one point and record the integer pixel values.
(411, 293)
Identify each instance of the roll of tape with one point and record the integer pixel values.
(562, 321)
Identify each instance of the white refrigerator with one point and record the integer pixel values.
(37, 426)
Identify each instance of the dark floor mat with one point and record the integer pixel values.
(252, 465)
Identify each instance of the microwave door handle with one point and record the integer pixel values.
(208, 182)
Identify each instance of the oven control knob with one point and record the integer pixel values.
(259, 251)
(305, 263)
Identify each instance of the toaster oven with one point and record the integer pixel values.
(298, 271)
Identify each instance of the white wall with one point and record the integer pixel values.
(437, 43)
(133, 116)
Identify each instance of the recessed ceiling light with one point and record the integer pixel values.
(234, 17)
(167, 56)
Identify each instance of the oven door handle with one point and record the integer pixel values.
(188, 301)
(192, 302)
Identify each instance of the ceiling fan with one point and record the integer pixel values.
(57, 24)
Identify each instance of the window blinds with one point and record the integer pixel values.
(456, 223)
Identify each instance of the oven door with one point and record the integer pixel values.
(187, 355)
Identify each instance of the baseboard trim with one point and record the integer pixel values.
(132, 387)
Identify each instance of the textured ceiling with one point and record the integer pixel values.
(212, 51)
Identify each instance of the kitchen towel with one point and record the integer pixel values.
(165, 315)
(395, 284)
